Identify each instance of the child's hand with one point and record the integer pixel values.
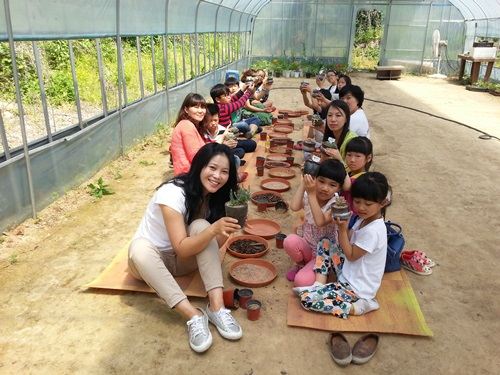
(333, 153)
(231, 143)
(343, 224)
(309, 184)
(267, 85)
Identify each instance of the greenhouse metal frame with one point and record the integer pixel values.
(207, 38)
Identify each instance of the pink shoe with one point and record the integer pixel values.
(290, 275)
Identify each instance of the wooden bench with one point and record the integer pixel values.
(389, 71)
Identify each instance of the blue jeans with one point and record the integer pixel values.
(248, 145)
(244, 126)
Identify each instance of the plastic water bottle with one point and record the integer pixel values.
(268, 143)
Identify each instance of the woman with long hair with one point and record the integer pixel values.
(337, 128)
(186, 137)
(181, 231)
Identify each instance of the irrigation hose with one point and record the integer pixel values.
(483, 136)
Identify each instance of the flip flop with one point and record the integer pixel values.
(415, 264)
(427, 261)
(242, 176)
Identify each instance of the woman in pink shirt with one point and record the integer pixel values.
(186, 137)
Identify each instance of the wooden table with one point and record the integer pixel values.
(476, 64)
(389, 71)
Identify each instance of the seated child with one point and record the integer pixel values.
(213, 132)
(359, 157)
(315, 195)
(227, 105)
(250, 126)
(358, 260)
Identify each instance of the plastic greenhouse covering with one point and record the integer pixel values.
(194, 44)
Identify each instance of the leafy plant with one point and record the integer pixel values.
(147, 163)
(239, 197)
(327, 144)
(340, 202)
(97, 191)
(13, 258)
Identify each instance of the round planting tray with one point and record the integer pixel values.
(282, 172)
(276, 164)
(286, 129)
(276, 157)
(275, 184)
(262, 227)
(253, 272)
(237, 254)
(277, 197)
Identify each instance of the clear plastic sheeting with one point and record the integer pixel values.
(193, 43)
(326, 29)
(49, 19)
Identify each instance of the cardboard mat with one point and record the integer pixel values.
(115, 276)
(399, 312)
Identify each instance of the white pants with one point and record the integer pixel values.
(158, 268)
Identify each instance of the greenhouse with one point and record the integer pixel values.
(94, 96)
(194, 43)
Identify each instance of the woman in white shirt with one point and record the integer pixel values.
(354, 97)
(181, 231)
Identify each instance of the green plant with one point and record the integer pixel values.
(97, 191)
(239, 197)
(13, 258)
(2, 240)
(147, 163)
(327, 144)
(483, 85)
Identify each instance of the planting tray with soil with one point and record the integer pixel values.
(262, 227)
(279, 149)
(275, 184)
(276, 164)
(247, 246)
(277, 136)
(253, 272)
(286, 129)
(277, 157)
(282, 172)
(271, 197)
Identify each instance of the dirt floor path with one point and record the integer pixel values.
(446, 191)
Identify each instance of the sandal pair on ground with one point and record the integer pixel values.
(417, 262)
(362, 351)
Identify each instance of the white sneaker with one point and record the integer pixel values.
(363, 306)
(225, 323)
(200, 338)
(299, 289)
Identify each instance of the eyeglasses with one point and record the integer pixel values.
(330, 75)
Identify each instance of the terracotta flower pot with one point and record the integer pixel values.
(253, 307)
(261, 206)
(263, 136)
(244, 295)
(260, 171)
(280, 237)
(259, 161)
(231, 299)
